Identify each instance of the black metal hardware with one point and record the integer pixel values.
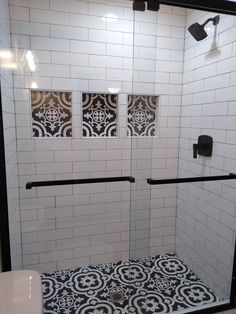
(233, 282)
(4, 221)
(30, 185)
(153, 5)
(139, 6)
(219, 6)
(204, 146)
(230, 176)
(195, 149)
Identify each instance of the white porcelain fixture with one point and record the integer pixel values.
(20, 292)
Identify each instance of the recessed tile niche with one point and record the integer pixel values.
(142, 115)
(51, 114)
(99, 115)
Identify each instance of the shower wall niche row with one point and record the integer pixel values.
(52, 114)
(107, 54)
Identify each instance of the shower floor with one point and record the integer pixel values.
(159, 284)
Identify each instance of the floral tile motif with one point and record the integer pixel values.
(51, 114)
(142, 114)
(160, 284)
(99, 114)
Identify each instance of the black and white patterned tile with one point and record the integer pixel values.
(160, 284)
(51, 114)
(142, 115)
(99, 115)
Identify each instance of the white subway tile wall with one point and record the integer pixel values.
(206, 213)
(9, 123)
(87, 46)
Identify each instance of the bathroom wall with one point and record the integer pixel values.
(88, 46)
(206, 216)
(6, 63)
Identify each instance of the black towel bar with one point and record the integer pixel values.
(30, 185)
(230, 176)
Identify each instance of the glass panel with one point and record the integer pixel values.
(205, 234)
(205, 228)
(143, 128)
(191, 227)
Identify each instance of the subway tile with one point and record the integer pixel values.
(105, 36)
(103, 10)
(69, 84)
(119, 25)
(72, 200)
(55, 256)
(105, 61)
(48, 235)
(52, 168)
(44, 4)
(69, 222)
(89, 230)
(40, 225)
(69, 58)
(54, 44)
(29, 28)
(88, 72)
(65, 156)
(69, 32)
(54, 191)
(87, 47)
(70, 6)
(87, 21)
(19, 13)
(49, 17)
(58, 212)
(36, 203)
(33, 157)
(119, 50)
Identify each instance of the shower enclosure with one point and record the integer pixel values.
(109, 108)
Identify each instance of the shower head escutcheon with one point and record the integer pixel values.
(198, 30)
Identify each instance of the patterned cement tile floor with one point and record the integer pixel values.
(160, 284)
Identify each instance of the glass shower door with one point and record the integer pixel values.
(143, 129)
(182, 239)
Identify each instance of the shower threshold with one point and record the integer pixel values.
(160, 284)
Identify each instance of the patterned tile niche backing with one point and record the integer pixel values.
(142, 113)
(51, 113)
(99, 114)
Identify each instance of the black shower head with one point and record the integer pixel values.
(198, 31)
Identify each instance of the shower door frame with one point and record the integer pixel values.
(4, 220)
(219, 6)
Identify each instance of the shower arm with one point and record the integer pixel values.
(215, 20)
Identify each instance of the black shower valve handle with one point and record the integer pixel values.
(203, 147)
(195, 149)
